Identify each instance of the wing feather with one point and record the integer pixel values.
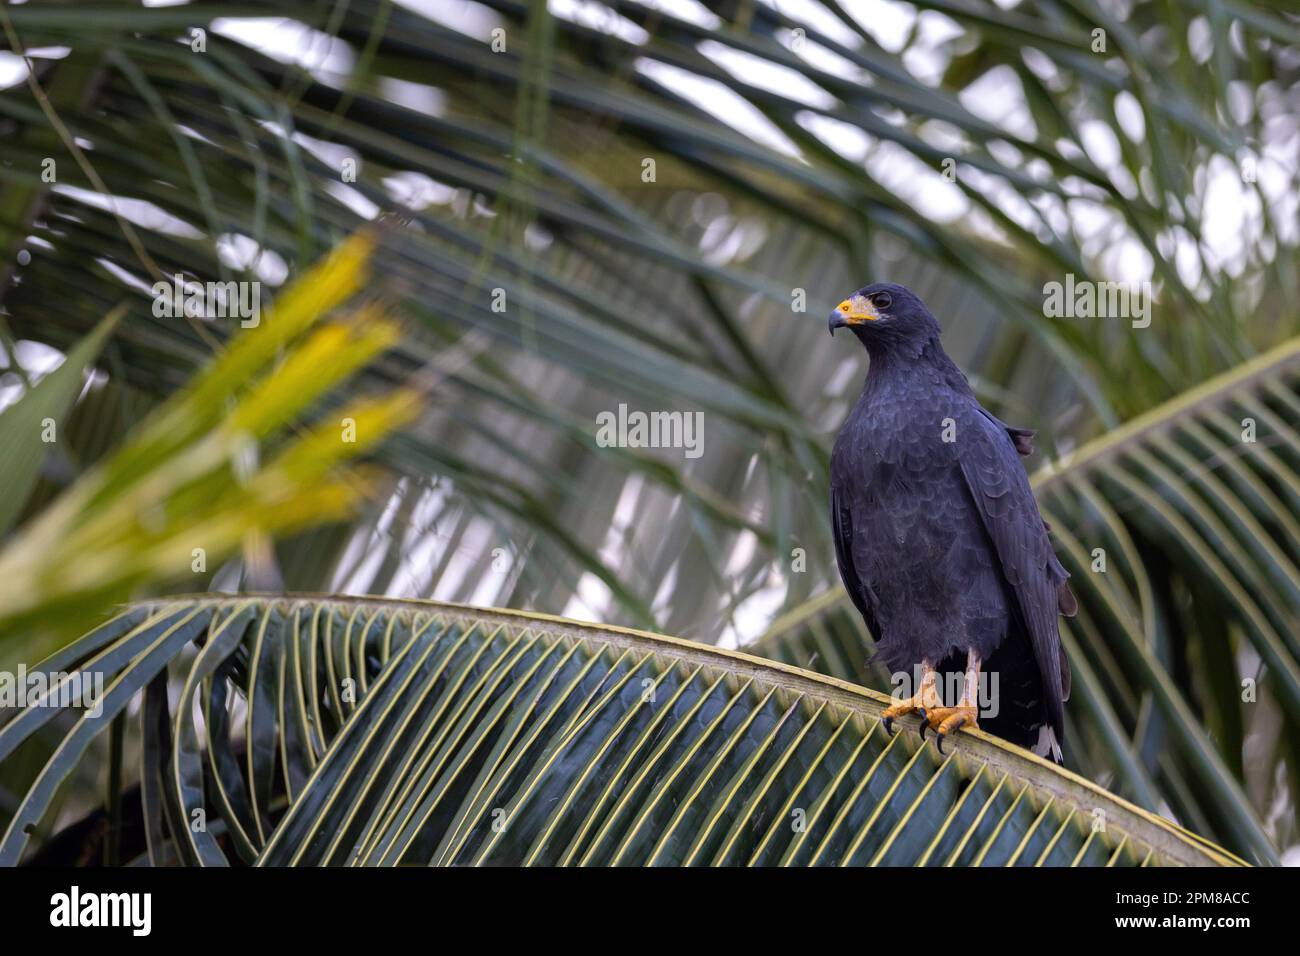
(1000, 490)
(842, 532)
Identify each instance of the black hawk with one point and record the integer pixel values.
(939, 540)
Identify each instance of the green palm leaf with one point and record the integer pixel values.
(369, 732)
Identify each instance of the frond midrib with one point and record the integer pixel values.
(1166, 414)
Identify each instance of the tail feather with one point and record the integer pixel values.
(1022, 716)
(1048, 746)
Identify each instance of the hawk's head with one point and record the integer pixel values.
(886, 316)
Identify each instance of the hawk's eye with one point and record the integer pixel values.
(882, 300)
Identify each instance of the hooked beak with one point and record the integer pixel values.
(851, 312)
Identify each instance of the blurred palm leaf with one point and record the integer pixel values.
(368, 732)
(205, 470)
(1180, 530)
(521, 170)
(23, 425)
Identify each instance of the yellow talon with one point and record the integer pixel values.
(926, 700)
(946, 720)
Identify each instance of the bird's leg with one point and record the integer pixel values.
(925, 699)
(945, 720)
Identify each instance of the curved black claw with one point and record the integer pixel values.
(889, 725)
(924, 721)
(938, 741)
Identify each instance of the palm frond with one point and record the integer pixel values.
(368, 732)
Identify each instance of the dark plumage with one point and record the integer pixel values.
(938, 537)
